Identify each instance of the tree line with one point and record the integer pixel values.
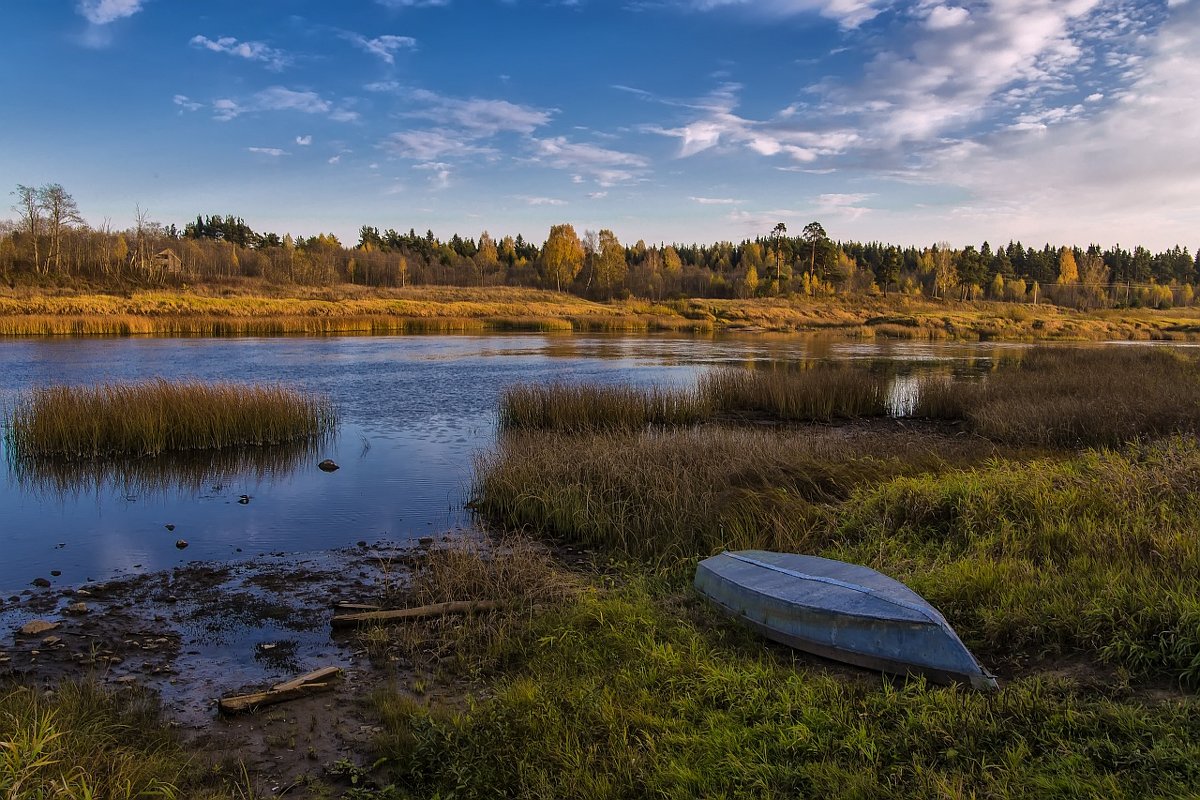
(49, 242)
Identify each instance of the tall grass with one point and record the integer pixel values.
(83, 743)
(818, 393)
(630, 692)
(1093, 555)
(157, 416)
(1070, 397)
(594, 407)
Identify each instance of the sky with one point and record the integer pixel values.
(906, 121)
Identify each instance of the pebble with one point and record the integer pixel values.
(76, 609)
(181, 544)
(425, 540)
(328, 465)
(169, 527)
(50, 641)
(54, 573)
(36, 627)
(244, 499)
(127, 679)
(41, 583)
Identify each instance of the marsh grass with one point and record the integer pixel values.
(1077, 396)
(816, 393)
(596, 407)
(631, 692)
(158, 416)
(84, 743)
(673, 494)
(515, 571)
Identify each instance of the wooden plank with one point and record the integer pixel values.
(310, 683)
(420, 612)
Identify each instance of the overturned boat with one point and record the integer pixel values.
(840, 611)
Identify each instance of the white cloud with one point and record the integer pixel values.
(335, 159)
(1134, 167)
(715, 201)
(280, 98)
(274, 152)
(384, 47)
(479, 117)
(848, 13)
(103, 12)
(597, 195)
(607, 167)
(439, 177)
(304, 141)
(251, 51)
(432, 145)
(942, 18)
(185, 103)
(540, 201)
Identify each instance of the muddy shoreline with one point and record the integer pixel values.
(198, 632)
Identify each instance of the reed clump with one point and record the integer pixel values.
(596, 407)
(1074, 397)
(817, 393)
(158, 416)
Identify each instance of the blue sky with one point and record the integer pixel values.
(909, 121)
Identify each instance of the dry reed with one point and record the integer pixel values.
(158, 416)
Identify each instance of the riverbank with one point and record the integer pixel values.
(261, 310)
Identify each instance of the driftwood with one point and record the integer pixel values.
(421, 612)
(355, 607)
(316, 681)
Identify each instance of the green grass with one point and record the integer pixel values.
(631, 692)
(82, 742)
(1093, 555)
(158, 416)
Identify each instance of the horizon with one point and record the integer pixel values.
(903, 122)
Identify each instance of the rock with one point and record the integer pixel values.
(244, 499)
(169, 526)
(76, 609)
(181, 544)
(37, 627)
(328, 465)
(425, 540)
(362, 542)
(50, 641)
(41, 583)
(54, 573)
(127, 679)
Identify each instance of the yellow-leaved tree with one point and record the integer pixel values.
(562, 254)
(1068, 270)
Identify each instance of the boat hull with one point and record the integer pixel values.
(839, 611)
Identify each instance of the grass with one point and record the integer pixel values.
(256, 308)
(1072, 397)
(631, 691)
(81, 742)
(818, 393)
(1092, 555)
(157, 416)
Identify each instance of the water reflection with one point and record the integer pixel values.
(185, 474)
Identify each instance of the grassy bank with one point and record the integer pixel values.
(262, 309)
(153, 417)
(82, 742)
(631, 688)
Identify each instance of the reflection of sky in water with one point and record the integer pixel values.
(413, 410)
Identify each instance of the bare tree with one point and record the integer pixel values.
(61, 212)
(30, 209)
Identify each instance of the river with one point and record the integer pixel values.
(413, 410)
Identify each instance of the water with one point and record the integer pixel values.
(413, 410)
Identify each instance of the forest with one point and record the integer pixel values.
(49, 243)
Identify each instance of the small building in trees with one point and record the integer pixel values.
(168, 261)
